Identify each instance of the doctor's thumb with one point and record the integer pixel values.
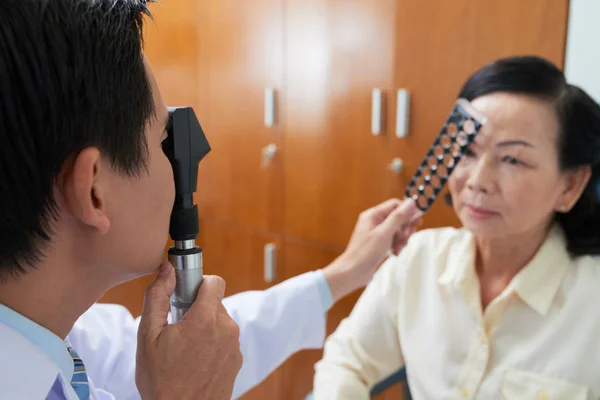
(157, 301)
(404, 215)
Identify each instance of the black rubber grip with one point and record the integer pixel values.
(184, 252)
(184, 223)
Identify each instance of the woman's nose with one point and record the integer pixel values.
(480, 176)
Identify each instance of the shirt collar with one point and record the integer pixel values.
(461, 260)
(21, 360)
(52, 345)
(536, 284)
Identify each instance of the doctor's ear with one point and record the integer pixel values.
(84, 190)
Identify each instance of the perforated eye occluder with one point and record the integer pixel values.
(455, 137)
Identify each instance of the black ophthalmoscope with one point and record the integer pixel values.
(185, 146)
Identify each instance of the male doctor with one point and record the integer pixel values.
(85, 198)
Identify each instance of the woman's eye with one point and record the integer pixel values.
(469, 153)
(511, 160)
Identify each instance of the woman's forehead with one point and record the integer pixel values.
(517, 117)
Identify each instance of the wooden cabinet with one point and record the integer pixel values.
(240, 48)
(171, 43)
(236, 254)
(323, 58)
(337, 52)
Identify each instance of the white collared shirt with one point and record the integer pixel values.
(274, 324)
(540, 339)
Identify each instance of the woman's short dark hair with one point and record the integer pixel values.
(579, 136)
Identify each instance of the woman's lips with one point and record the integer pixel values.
(480, 213)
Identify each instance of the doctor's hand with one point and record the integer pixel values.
(379, 232)
(197, 358)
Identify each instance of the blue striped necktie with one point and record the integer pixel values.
(80, 378)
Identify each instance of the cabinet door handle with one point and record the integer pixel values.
(269, 107)
(397, 165)
(376, 113)
(402, 113)
(268, 154)
(270, 262)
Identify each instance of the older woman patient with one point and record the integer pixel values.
(508, 306)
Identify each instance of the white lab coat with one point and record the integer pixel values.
(274, 324)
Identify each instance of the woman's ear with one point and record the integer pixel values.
(84, 192)
(575, 182)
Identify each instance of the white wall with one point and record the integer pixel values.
(582, 59)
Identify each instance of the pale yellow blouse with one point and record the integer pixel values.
(540, 339)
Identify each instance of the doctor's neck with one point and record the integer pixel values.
(59, 289)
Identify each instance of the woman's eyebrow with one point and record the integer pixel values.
(507, 143)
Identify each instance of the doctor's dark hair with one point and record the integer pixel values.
(579, 136)
(71, 76)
